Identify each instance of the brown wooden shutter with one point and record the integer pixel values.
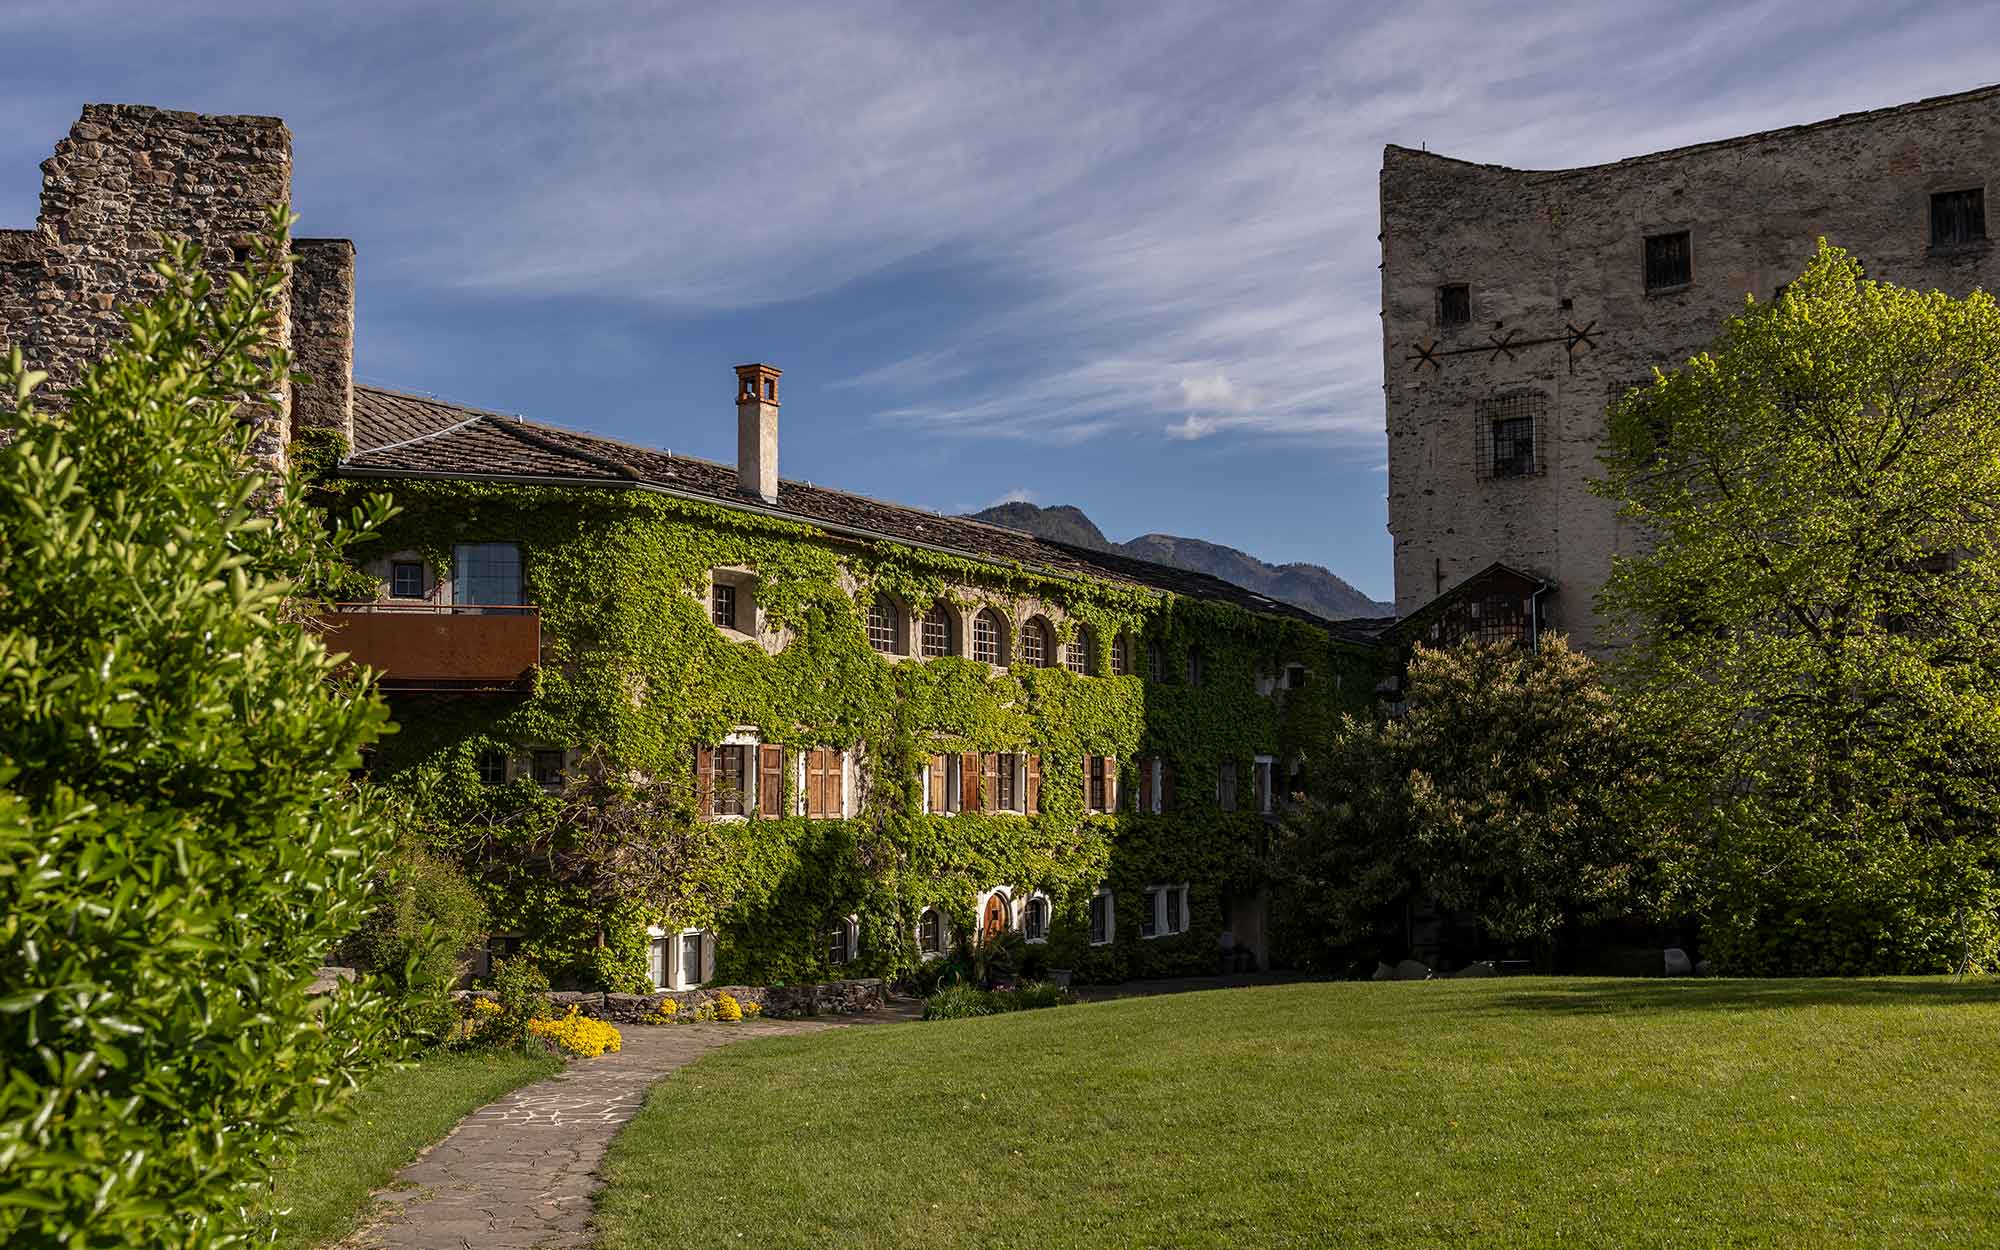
(935, 793)
(1034, 803)
(1086, 783)
(704, 783)
(1166, 785)
(1145, 784)
(969, 797)
(771, 781)
(989, 775)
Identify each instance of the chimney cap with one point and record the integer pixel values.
(757, 383)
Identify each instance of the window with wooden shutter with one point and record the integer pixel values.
(732, 780)
(704, 783)
(970, 797)
(935, 797)
(996, 774)
(826, 784)
(1034, 795)
(771, 781)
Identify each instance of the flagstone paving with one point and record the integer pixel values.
(518, 1174)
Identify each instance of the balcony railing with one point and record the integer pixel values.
(440, 646)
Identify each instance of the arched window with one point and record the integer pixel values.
(1037, 644)
(937, 631)
(930, 933)
(1081, 653)
(989, 638)
(1121, 655)
(840, 940)
(1156, 661)
(1194, 666)
(1035, 919)
(885, 627)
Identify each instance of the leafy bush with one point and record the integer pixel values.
(524, 998)
(180, 845)
(430, 916)
(959, 1002)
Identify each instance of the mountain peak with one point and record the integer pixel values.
(1303, 585)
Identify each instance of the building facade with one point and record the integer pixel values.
(1517, 304)
(688, 721)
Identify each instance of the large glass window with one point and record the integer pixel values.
(937, 631)
(488, 573)
(986, 638)
(882, 631)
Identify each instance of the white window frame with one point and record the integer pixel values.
(1167, 925)
(1267, 792)
(659, 958)
(852, 924)
(1154, 764)
(944, 934)
(751, 771)
(1110, 919)
(1020, 786)
(676, 973)
(1048, 916)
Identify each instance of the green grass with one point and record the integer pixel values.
(326, 1178)
(1671, 1114)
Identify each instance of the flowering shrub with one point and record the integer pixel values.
(705, 1012)
(752, 1010)
(578, 1034)
(727, 1009)
(662, 1014)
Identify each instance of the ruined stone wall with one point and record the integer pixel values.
(126, 174)
(1544, 252)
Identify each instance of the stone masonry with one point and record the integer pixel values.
(127, 174)
(1549, 253)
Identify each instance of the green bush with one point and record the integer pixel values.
(958, 1002)
(180, 844)
(524, 997)
(429, 917)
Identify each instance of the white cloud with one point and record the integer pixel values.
(1020, 494)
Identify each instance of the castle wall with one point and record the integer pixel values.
(1545, 253)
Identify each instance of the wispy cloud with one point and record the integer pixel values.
(1020, 494)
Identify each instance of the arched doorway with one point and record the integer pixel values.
(995, 920)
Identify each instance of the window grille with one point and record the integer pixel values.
(1669, 261)
(986, 638)
(722, 605)
(1121, 656)
(937, 631)
(1100, 785)
(1958, 218)
(1034, 645)
(1077, 654)
(1509, 433)
(1454, 305)
(882, 621)
(492, 768)
(1501, 618)
(406, 580)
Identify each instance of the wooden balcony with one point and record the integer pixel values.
(471, 648)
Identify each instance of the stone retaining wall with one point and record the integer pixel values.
(834, 998)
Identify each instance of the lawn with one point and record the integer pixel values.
(1454, 1113)
(326, 1179)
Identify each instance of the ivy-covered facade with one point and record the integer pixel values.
(789, 734)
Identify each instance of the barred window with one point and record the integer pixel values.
(1509, 433)
(1669, 261)
(1081, 651)
(1958, 218)
(937, 631)
(1454, 305)
(882, 622)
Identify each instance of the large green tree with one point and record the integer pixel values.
(1813, 637)
(1504, 791)
(179, 841)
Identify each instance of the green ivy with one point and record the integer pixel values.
(635, 673)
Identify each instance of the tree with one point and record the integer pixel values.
(1814, 637)
(1503, 792)
(179, 842)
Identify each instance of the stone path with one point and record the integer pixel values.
(518, 1174)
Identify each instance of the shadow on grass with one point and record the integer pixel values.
(1597, 997)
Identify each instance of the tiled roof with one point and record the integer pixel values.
(399, 435)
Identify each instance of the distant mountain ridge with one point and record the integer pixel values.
(1303, 585)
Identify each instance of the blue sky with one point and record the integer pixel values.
(1121, 256)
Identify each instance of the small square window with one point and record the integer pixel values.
(549, 769)
(406, 579)
(1454, 305)
(1669, 261)
(1509, 435)
(1958, 218)
(492, 768)
(722, 605)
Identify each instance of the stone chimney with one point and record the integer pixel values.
(757, 432)
(323, 337)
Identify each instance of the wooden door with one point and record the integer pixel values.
(995, 922)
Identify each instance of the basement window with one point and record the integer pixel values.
(1958, 219)
(1454, 305)
(1669, 261)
